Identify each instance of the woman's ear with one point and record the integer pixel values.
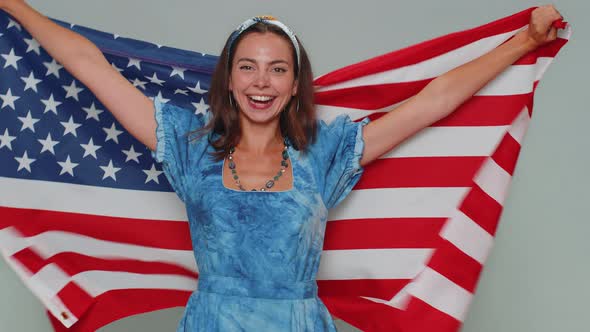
(295, 85)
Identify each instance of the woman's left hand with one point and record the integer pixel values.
(541, 30)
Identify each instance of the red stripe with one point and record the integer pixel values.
(364, 314)
(30, 260)
(371, 97)
(75, 299)
(421, 317)
(171, 234)
(482, 209)
(383, 233)
(383, 289)
(117, 304)
(420, 172)
(73, 263)
(456, 266)
(477, 111)
(425, 50)
(546, 51)
(506, 153)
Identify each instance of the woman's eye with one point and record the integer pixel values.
(246, 67)
(279, 70)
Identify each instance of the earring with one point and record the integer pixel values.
(231, 103)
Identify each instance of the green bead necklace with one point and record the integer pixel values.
(270, 183)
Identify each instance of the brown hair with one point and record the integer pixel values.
(297, 122)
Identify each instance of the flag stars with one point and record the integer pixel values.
(32, 45)
(53, 68)
(13, 23)
(50, 104)
(112, 133)
(90, 149)
(31, 82)
(161, 98)
(134, 63)
(92, 112)
(48, 144)
(180, 91)
(8, 100)
(24, 162)
(6, 140)
(152, 174)
(154, 79)
(201, 106)
(67, 166)
(28, 122)
(110, 171)
(178, 71)
(197, 89)
(72, 90)
(132, 154)
(138, 83)
(116, 68)
(70, 127)
(11, 59)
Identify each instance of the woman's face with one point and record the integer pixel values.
(262, 79)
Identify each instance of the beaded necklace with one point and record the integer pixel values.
(270, 183)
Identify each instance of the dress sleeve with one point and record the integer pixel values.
(340, 148)
(176, 149)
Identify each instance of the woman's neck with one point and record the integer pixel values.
(260, 138)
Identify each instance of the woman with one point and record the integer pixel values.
(258, 252)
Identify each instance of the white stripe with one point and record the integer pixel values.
(520, 125)
(45, 195)
(441, 293)
(328, 113)
(48, 281)
(98, 282)
(399, 203)
(493, 180)
(468, 236)
(372, 264)
(11, 241)
(450, 141)
(50, 243)
(429, 68)
(384, 203)
(514, 80)
(433, 141)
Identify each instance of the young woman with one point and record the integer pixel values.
(259, 173)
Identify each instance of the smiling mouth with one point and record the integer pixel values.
(261, 102)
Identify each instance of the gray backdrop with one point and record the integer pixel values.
(537, 276)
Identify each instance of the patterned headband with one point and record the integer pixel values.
(266, 20)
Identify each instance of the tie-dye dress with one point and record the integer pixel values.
(257, 253)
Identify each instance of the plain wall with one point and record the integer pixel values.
(536, 278)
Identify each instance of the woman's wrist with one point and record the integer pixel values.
(526, 41)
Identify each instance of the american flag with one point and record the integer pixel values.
(90, 224)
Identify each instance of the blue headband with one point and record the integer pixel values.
(266, 20)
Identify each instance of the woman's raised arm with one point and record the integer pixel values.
(86, 63)
(447, 92)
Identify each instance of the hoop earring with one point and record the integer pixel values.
(231, 103)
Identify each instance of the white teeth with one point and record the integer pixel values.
(261, 98)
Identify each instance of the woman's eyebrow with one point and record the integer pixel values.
(274, 62)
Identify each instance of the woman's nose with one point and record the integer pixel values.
(262, 79)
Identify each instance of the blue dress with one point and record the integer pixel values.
(257, 252)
